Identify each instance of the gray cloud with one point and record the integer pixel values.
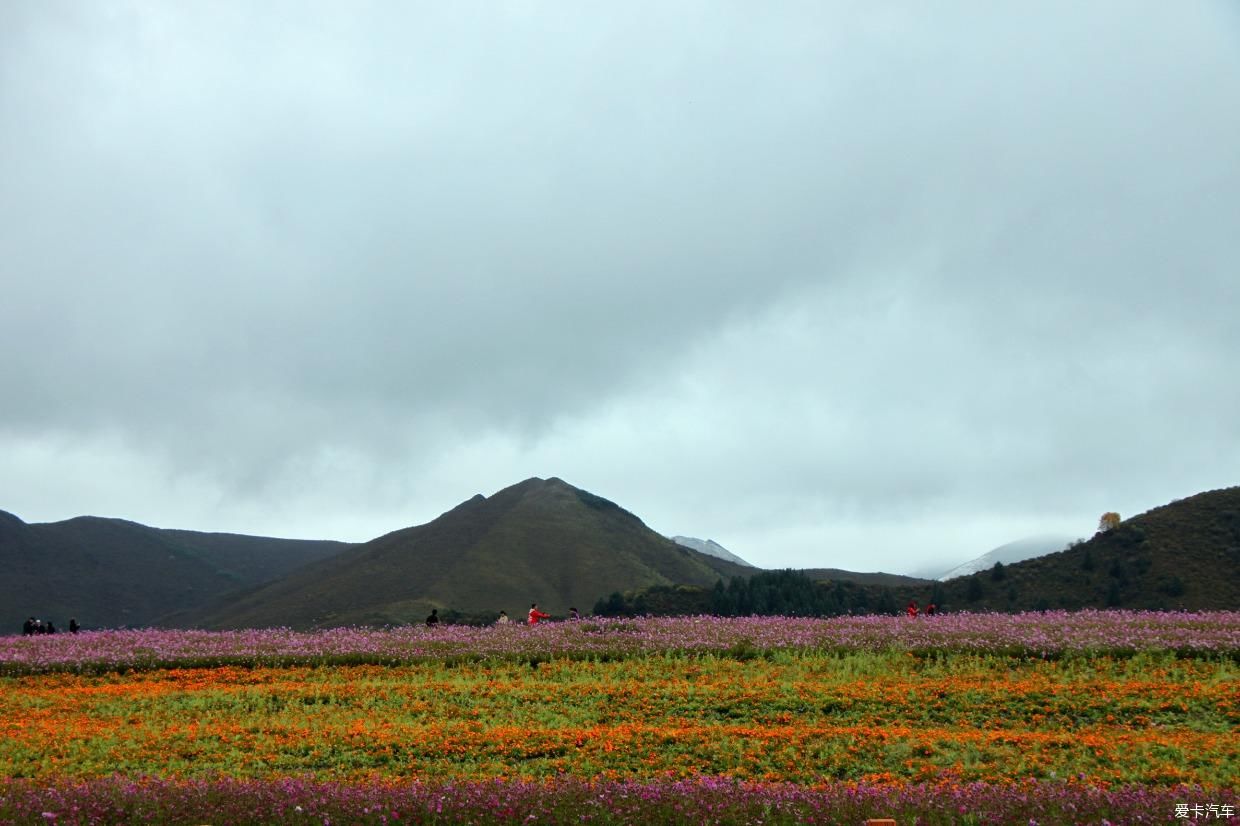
(303, 269)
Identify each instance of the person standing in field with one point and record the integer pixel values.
(912, 608)
(433, 619)
(503, 618)
(536, 615)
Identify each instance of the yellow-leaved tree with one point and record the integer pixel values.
(1109, 520)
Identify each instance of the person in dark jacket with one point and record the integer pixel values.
(73, 625)
(28, 627)
(433, 619)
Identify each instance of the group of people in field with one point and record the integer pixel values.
(535, 616)
(34, 626)
(532, 618)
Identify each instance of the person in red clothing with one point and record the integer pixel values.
(912, 608)
(536, 615)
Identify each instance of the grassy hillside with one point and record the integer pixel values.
(113, 573)
(540, 540)
(1183, 555)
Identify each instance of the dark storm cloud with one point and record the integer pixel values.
(837, 259)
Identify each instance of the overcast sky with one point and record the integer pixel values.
(859, 285)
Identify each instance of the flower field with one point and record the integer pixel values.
(1045, 634)
(1049, 718)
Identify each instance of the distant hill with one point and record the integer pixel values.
(1183, 555)
(871, 578)
(540, 540)
(739, 567)
(114, 573)
(711, 548)
(1018, 551)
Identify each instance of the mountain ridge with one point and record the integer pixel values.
(111, 572)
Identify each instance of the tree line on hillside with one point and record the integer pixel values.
(770, 593)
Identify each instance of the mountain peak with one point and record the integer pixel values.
(711, 548)
(539, 540)
(10, 521)
(1028, 548)
(539, 483)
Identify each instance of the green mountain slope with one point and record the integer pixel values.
(540, 540)
(111, 572)
(1183, 555)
